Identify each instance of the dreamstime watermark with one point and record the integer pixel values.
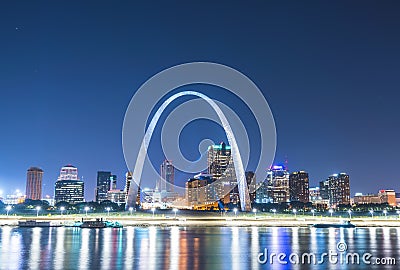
(153, 99)
(338, 256)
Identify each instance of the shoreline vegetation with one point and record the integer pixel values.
(144, 220)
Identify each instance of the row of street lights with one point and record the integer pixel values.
(62, 209)
(175, 211)
(235, 210)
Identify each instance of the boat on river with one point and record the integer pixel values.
(100, 223)
(345, 224)
(34, 223)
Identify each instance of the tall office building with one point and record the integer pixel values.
(68, 187)
(167, 177)
(128, 181)
(251, 184)
(113, 179)
(218, 159)
(299, 187)
(221, 167)
(324, 190)
(278, 184)
(336, 189)
(34, 178)
(105, 182)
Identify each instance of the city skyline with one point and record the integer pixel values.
(70, 172)
(332, 92)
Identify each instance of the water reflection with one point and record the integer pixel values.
(183, 248)
(84, 251)
(174, 251)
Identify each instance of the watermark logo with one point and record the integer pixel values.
(341, 246)
(339, 256)
(154, 98)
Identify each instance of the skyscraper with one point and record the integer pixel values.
(128, 181)
(251, 184)
(299, 187)
(34, 178)
(220, 166)
(113, 179)
(68, 187)
(278, 184)
(324, 189)
(218, 159)
(167, 179)
(105, 180)
(336, 188)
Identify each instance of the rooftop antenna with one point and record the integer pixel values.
(286, 163)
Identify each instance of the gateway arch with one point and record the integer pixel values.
(237, 160)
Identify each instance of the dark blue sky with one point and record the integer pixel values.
(329, 70)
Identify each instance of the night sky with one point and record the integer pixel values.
(329, 70)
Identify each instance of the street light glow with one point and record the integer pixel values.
(8, 208)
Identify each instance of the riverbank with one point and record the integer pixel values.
(268, 221)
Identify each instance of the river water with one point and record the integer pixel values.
(197, 248)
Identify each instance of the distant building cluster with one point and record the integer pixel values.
(383, 196)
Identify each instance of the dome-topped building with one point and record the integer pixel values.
(68, 187)
(68, 172)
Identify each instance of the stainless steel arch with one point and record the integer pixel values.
(237, 160)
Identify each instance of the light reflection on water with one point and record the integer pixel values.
(184, 248)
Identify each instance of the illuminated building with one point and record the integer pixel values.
(34, 178)
(299, 187)
(278, 184)
(314, 194)
(167, 173)
(324, 190)
(316, 199)
(384, 196)
(68, 187)
(116, 196)
(360, 198)
(105, 182)
(220, 166)
(128, 181)
(218, 158)
(337, 187)
(197, 192)
(387, 196)
(251, 183)
(68, 172)
(15, 198)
